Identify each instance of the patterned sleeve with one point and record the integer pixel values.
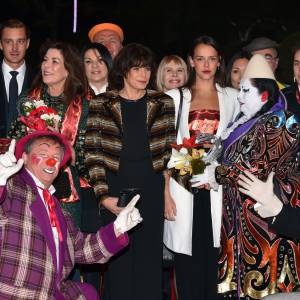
(97, 247)
(228, 174)
(169, 111)
(93, 149)
(271, 145)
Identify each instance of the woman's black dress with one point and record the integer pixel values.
(135, 273)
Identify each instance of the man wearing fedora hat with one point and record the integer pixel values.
(108, 34)
(269, 49)
(39, 243)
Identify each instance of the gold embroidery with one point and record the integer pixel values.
(227, 284)
(286, 271)
(257, 278)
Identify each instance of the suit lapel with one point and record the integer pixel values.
(25, 82)
(63, 226)
(40, 215)
(184, 121)
(223, 119)
(27, 79)
(4, 106)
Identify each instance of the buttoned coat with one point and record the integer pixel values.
(28, 264)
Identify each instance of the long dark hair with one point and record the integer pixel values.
(75, 84)
(220, 73)
(132, 55)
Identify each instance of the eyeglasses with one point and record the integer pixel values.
(269, 57)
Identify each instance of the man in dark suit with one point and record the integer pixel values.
(15, 76)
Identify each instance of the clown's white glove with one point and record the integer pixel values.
(268, 204)
(208, 177)
(9, 164)
(128, 217)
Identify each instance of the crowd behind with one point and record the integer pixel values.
(232, 232)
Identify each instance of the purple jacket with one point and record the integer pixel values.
(28, 267)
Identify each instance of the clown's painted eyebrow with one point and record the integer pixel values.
(49, 145)
(44, 143)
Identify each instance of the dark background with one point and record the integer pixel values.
(167, 27)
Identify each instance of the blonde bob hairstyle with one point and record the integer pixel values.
(167, 59)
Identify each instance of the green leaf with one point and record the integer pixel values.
(198, 166)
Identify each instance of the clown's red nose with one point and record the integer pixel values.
(51, 162)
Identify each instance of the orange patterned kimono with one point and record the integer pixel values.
(254, 261)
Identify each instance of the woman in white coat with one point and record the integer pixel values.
(193, 217)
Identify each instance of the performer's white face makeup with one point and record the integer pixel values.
(43, 160)
(249, 98)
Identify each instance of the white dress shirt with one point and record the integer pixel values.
(7, 76)
(101, 90)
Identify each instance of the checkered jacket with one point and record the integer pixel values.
(28, 265)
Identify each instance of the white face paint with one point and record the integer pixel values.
(249, 98)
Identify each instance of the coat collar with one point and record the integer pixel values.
(40, 214)
(114, 108)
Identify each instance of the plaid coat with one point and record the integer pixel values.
(28, 265)
(103, 137)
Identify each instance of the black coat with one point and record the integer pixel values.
(4, 120)
(287, 222)
(290, 95)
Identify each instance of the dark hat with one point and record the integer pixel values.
(259, 44)
(20, 145)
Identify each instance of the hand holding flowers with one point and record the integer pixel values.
(186, 158)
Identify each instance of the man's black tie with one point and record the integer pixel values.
(13, 96)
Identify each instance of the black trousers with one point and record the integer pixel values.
(196, 275)
(136, 272)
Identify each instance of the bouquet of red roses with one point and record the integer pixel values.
(38, 116)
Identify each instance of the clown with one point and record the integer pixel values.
(39, 243)
(255, 261)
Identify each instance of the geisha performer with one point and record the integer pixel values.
(255, 261)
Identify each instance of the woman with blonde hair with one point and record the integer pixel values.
(171, 73)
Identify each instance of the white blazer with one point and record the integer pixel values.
(178, 233)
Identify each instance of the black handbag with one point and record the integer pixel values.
(126, 195)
